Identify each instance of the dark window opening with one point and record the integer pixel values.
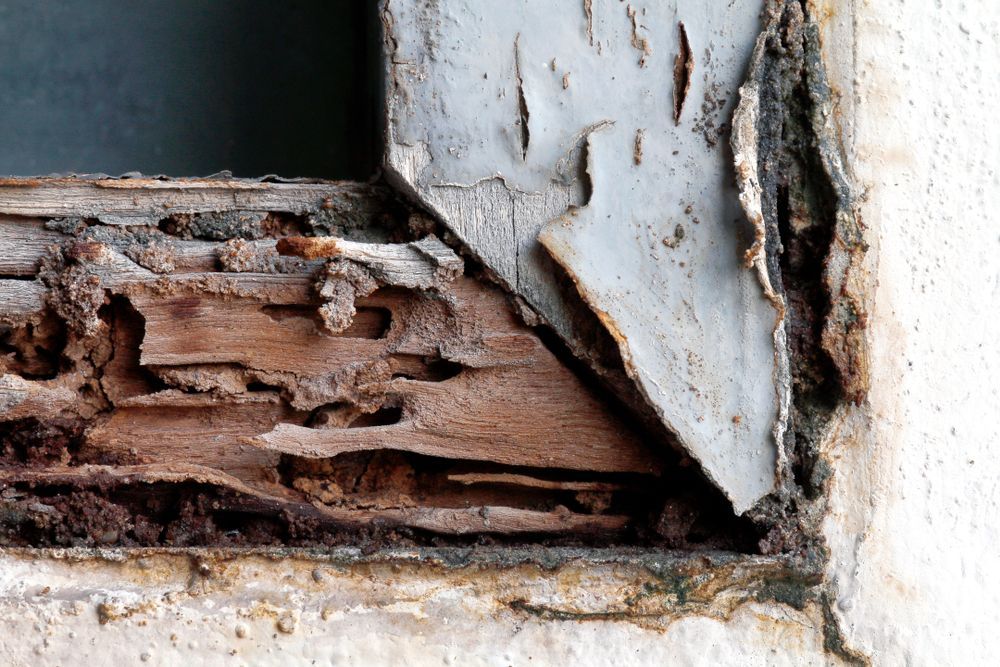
(189, 88)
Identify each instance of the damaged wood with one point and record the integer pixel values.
(424, 264)
(142, 361)
(144, 201)
(444, 520)
(349, 371)
(503, 408)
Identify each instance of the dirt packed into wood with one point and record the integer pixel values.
(34, 443)
(188, 515)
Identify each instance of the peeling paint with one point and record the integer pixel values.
(639, 43)
(522, 102)
(689, 322)
(683, 71)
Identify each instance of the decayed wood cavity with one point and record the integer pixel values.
(256, 371)
(512, 403)
(809, 241)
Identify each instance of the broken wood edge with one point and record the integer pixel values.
(146, 202)
(406, 436)
(515, 479)
(397, 264)
(450, 521)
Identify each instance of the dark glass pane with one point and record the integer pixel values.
(188, 87)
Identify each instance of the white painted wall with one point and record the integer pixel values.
(917, 482)
(916, 532)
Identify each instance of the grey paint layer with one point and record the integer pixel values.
(495, 111)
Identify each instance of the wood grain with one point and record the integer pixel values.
(137, 201)
(23, 243)
(20, 299)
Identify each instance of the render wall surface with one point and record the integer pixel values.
(912, 528)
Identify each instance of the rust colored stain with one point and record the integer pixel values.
(308, 247)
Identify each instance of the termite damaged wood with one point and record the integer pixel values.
(211, 338)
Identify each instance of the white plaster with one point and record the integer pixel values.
(915, 529)
(254, 611)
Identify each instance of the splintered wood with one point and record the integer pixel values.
(253, 372)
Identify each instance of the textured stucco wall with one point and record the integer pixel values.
(913, 527)
(915, 531)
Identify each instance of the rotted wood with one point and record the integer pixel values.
(510, 402)
(260, 367)
(458, 521)
(526, 480)
(131, 201)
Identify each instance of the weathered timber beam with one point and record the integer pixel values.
(137, 201)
